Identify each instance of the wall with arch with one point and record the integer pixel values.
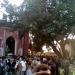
(5, 33)
(21, 45)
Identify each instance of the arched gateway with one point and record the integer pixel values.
(10, 43)
(11, 40)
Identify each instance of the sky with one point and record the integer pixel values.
(13, 2)
(16, 2)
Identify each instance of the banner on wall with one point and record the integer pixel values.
(20, 51)
(1, 52)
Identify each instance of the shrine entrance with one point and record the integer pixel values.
(10, 43)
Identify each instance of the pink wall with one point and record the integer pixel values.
(6, 33)
(25, 43)
(19, 43)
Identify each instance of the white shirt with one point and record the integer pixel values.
(29, 72)
(23, 63)
(16, 64)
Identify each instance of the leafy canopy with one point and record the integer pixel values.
(47, 20)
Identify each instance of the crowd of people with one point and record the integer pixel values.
(33, 66)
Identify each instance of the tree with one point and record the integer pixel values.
(51, 23)
(47, 20)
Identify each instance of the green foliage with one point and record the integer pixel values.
(45, 19)
(52, 23)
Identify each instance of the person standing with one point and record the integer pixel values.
(13, 67)
(29, 71)
(23, 63)
(20, 67)
(42, 69)
(9, 67)
(1, 67)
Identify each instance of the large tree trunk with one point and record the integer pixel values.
(56, 51)
(63, 48)
(64, 52)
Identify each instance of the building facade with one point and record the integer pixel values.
(10, 42)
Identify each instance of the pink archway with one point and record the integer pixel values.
(23, 43)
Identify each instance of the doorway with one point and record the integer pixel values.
(10, 43)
